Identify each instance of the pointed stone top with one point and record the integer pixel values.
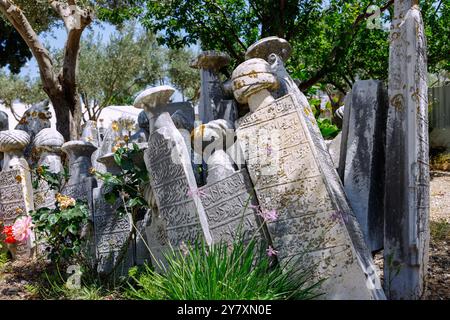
(13, 140)
(250, 77)
(266, 46)
(48, 138)
(154, 97)
(211, 60)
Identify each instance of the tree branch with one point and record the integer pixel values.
(17, 18)
(334, 55)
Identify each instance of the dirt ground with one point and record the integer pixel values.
(18, 280)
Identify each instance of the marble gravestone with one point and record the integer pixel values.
(16, 191)
(180, 217)
(113, 243)
(228, 197)
(407, 194)
(47, 143)
(363, 157)
(315, 221)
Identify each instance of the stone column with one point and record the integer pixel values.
(363, 157)
(407, 162)
(16, 191)
(47, 143)
(209, 63)
(316, 227)
(4, 125)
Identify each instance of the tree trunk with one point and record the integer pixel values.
(68, 114)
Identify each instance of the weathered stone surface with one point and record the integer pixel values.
(142, 134)
(90, 133)
(36, 118)
(231, 208)
(47, 144)
(211, 90)
(81, 182)
(407, 161)
(334, 149)
(181, 217)
(112, 236)
(4, 125)
(315, 220)
(266, 46)
(364, 158)
(16, 191)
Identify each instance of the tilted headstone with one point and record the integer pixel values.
(315, 221)
(181, 216)
(364, 157)
(228, 197)
(16, 191)
(47, 144)
(209, 63)
(407, 194)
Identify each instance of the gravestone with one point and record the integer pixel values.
(141, 135)
(34, 119)
(209, 63)
(4, 125)
(364, 156)
(315, 221)
(47, 143)
(180, 216)
(16, 191)
(80, 184)
(112, 231)
(407, 194)
(228, 196)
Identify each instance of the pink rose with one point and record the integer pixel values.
(22, 228)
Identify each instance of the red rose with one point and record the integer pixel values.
(8, 232)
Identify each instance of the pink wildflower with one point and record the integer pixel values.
(269, 215)
(271, 252)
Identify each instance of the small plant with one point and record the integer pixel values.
(60, 227)
(440, 230)
(327, 129)
(441, 161)
(219, 272)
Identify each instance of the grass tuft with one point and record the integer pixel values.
(220, 273)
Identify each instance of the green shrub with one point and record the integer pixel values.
(221, 273)
(327, 129)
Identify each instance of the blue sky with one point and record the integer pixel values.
(56, 38)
